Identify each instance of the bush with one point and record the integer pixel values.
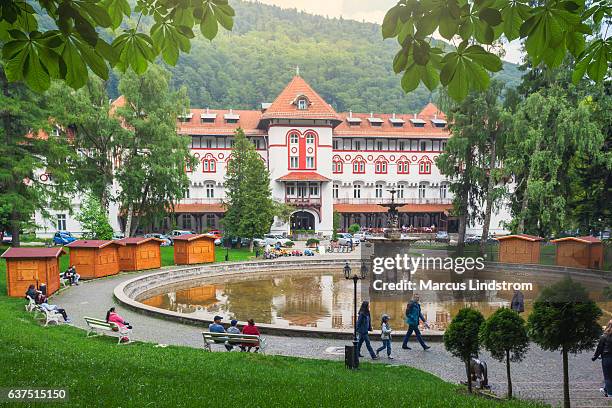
(290, 244)
(504, 335)
(564, 318)
(354, 228)
(461, 338)
(312, 241)
(94, 220)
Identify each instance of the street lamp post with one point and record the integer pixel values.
(348, 274)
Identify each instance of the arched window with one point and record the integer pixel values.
(337, 164)
(359, 165)
(403, 165)
(302, 150)
(380, 165)
(209, 164)
(425, 166)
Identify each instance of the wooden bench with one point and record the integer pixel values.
(232, 340)
(100, 327)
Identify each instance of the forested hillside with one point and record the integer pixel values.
(345, 61)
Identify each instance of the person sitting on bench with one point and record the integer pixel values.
(217, 327)
(113, 317)
(36, 294)
(251, 329)
(54, 308)
(72, 276)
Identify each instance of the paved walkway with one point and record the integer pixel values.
(540, 377)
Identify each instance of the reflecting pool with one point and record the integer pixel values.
(324, 299)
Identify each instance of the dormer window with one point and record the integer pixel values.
(208, 117)
(396, 122)
(301, 102)
(439, 123)
(417, 122)
(185, 117)
(231, 117)
(375, 122)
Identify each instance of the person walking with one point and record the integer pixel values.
(604, 350)
(364, 325)
(385, 336)
(413, 315)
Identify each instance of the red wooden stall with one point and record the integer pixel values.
(139, 253)
(194, 249)
(519, 248)
(579, 252)
(95, 258)
(27, 266)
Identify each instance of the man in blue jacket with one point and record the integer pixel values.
(413, 315)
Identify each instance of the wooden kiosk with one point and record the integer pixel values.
(95, 258)
(27, 266)
(194, 249)
(139, 253)
(579, 252)
(520, 248)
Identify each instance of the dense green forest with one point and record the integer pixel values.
(346, 61)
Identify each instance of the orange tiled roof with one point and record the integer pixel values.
(191, 237)
(302, 176)
(387, 129)
(585, 239)
(524, 237)
(248, 121)
(199, 208)
(284, 106)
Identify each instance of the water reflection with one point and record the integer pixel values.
(324, 299)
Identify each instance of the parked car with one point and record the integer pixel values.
(63, 238)
(118, 235)
(442, 236)
(259, 242)
(472, 239)
(344, 238)
(165, 238)
(7, 238)
(273, 239)
(363, 236)
(218, 241)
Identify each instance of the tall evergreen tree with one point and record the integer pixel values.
(151, 175)
(29, 149)
(250, 208)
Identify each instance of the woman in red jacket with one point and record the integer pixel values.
(250, 328)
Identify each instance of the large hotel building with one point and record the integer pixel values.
(320, 161)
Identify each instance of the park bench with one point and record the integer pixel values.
(31, 305)
(100, 327)
(232, 340)
(49, 315)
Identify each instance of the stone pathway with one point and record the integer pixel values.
(540, 377)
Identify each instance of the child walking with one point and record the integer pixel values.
(385, 336)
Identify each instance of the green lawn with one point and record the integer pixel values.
(97, 372)
(235, 254)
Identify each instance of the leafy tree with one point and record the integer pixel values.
(29, 149)
(504, 335)
(354, 228)
(154, 157)
(564, 318)
(461, 337)
(336, 226)
(550, 30)
(73, 42)
(95, 132)
(94, 219)
(250, 208)
(547, 131)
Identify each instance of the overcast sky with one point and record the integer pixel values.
(368, 10)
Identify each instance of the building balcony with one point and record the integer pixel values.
(303, 201)
(387, 200)
(201, 201)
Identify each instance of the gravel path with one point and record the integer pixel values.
(540, 377)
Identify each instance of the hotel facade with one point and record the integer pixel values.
(320, 161)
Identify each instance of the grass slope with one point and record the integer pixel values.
(97, 372)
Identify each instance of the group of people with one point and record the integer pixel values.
(250, 328)
(413, 316)
(71, 275)
(41, 300)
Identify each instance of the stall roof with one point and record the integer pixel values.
(13, 253)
